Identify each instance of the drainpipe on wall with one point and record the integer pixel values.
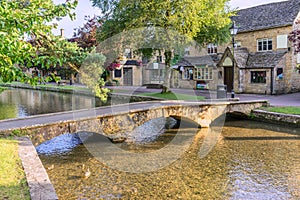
(62, 33)
(272, 80)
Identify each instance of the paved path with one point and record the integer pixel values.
(275, 100)
(37, 120)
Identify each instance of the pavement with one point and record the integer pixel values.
(275, 100)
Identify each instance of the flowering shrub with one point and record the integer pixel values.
(140, 63)
(113, 66)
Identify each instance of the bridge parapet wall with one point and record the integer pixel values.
(119, 123)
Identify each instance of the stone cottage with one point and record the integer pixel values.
(129, 74)
(262, 60)
(198, 72)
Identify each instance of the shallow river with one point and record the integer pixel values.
(19, 103)
(251, 160)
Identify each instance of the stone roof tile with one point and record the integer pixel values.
(210, 60)
(264, 59)
(267, 16)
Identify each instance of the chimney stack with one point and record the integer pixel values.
(62, 32)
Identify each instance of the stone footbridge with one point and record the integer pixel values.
(119, 119)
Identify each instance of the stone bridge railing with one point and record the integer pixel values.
(119, 119)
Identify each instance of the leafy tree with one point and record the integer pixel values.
(203, 20)
(30, 20)
(85, 36)
(91, 71)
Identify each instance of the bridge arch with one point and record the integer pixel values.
(202, 113)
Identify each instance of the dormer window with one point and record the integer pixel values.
(264, 44)
(187, 51)
(212, 49)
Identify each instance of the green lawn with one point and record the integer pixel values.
(67, 87)
(13, 183)
(54, 85)
(174, 96)
(286, 110)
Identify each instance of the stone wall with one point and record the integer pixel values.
(291, 80)
(117, 124)
(257, 88)
(137, 75)
(292, 75)
(277, 118)
(249, 39)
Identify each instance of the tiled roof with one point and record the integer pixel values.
(132, 62)
(210, 60)
(264, 59)
(267, 16)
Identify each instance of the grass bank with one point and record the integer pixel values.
(174, 96)
(48, 85)
(13, 183)
(293, 110)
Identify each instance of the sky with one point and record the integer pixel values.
(85, 8)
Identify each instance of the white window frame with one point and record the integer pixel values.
(238, 44)
(298, 58)
(203, 73)
(186, 74)
(265, 44)
(212, 49)
(258, 77)
(187, 51)
(282, 41)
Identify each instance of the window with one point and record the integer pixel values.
(258, 77)
(145, 60)
(188, 73)
(298, 58)
(187, 51)
(128, 53)
(282, 41)
(203, 73)
(279, 75)
(159, 59)
(156, 75)
(118, 73)
(238, 44)
(279, 71)
(212, 49)
(264, 44)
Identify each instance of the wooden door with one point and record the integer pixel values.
(127, 76)
(228, 79)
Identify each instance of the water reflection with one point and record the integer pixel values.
(18, 103)
(235, 169)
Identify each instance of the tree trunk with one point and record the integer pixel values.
(167, 78)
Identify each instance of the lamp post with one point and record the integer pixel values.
(233, 31)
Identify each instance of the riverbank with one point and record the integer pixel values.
(13, 184)
(128, 93)
(70, 89)
(276, 118)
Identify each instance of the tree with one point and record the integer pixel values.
(85, 36)
(91, 71)
(30, 20)
(203, 20)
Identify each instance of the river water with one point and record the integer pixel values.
(251, 160)
(19, 103)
